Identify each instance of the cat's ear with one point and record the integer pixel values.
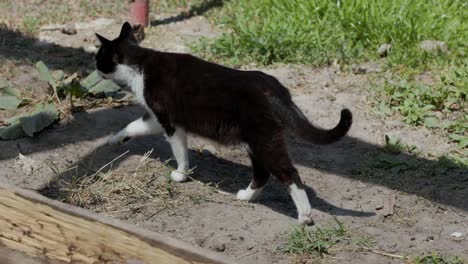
(102, 39)
(127, 31)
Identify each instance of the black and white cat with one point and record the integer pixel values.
(184, 94)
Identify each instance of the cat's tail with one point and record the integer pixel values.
(299, 123)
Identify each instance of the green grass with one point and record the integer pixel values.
(316, 240)
(320, 31)
(441, 106)
(435, 258)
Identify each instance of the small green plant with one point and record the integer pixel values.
(93, 84)
(440, 106)
(315, 240)
(395, 145)
(30, 24)
(435, 258)
(393, 163)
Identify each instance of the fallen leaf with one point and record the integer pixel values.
(9, 102)
(42, 117)
(104, 87)
(11, 132)
(26, 125)
(97, 86)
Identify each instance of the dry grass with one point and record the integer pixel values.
(116, 190)
(145, 188)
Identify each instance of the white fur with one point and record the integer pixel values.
(136, 128)
(302, 203)
(178, 143)
(133, 78)
(248, 194)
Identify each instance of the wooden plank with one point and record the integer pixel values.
(48, 229)
(9, 256)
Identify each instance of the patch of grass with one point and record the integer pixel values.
(440, 106)
(320, 31)
(31, 24)
(395, 145)
(113, 190)
(315, 240)
(435, 258)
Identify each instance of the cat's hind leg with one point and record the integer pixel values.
(146, 125)
(178, 141)
(274, 155)
(260, 178)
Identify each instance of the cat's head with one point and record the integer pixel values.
(115, 52)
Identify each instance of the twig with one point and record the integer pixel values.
(109, 163)
(206, 185)
(380, 252)
(247, 254)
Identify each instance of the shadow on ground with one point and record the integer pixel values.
(19, 47)
(348, 158)
(193, 11)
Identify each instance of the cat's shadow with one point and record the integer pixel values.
(228, 176)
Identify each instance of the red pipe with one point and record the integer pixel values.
(138, 12)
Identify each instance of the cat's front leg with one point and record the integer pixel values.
(178, 141)
(146, 125)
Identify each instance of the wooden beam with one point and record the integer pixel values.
(48, 229)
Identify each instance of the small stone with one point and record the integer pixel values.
(221, 247)
(383, 49)
(433, 46)
(359, 70)
(69, 29)
(457, 235)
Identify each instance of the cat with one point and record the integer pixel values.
(184, 94)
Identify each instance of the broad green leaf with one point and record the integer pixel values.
(463, 143)
(44, 73)
(431, 121)
(104, 86)
(95, 85)
(11, 132)
(9, 90)
(456, 137)
(58, 77)
(15, 119)
(9, 102)
(42, 117)
(91, 80)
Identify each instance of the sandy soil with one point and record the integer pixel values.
(430, 204)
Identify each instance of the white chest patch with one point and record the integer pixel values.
(131, 77)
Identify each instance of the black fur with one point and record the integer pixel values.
(223, 104)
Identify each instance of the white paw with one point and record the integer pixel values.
(305, 218)
(178, 176)
(244, 195)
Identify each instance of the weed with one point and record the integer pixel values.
(393, 163)
(440, 106)
(435, 258)
(395, 145)
(30, 24)
(316, 240)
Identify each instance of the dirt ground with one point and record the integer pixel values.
(341, 180)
